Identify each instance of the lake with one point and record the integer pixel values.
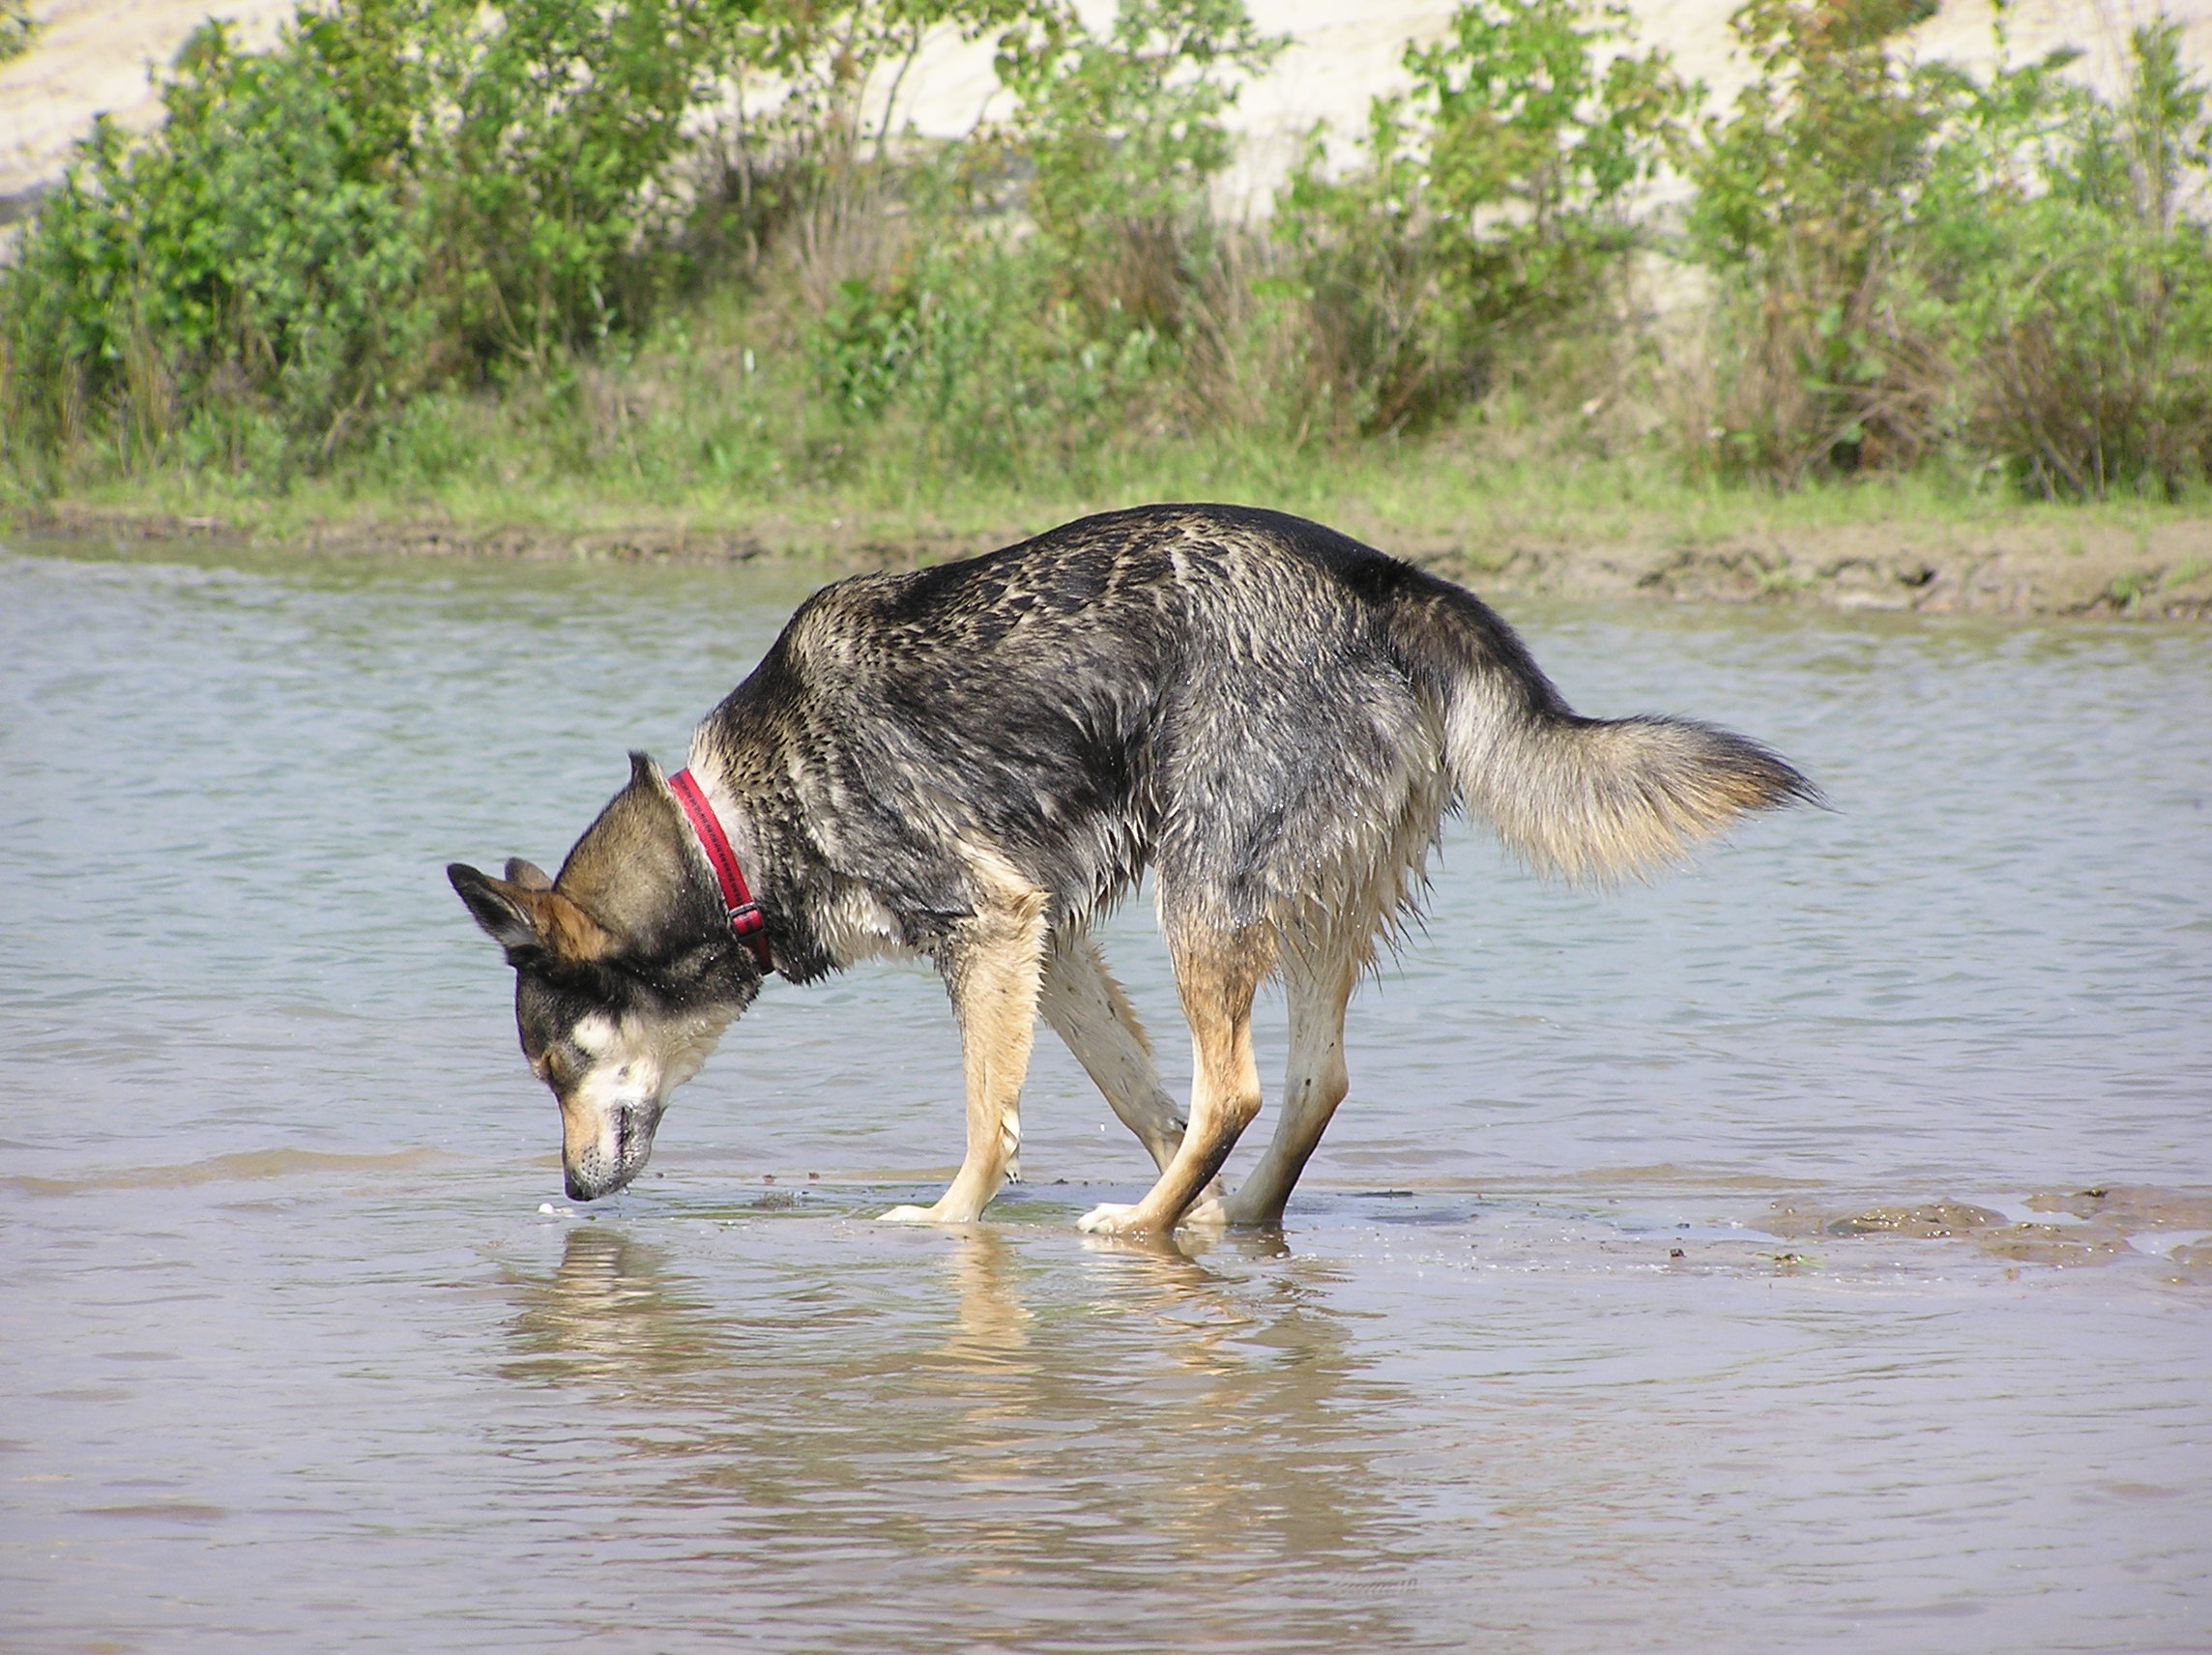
(1811, 1249)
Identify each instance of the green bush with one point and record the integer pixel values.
(16, 28)
(402, 192)
(1489, 199)
(1120, 135)
(1918, 263)
(556, 177)
(248, 279)
(1806, 199)
(1045, 304)
(2079, 288)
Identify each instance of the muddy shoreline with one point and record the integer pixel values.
(2047, 569)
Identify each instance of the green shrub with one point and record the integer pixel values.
(426, 240)
(556, 176)
(1918, 262)
(972, 361)
(1044, 303)
(251, 271)
(1806, 199)
(402, 192)
(1489, 199)
(2078, 285)
(1120, 135)
(17, 28)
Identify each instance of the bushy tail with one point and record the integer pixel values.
(1595, 799)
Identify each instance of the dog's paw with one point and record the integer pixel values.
(1211, 1213)
(940, 1213)
(1111, 1218)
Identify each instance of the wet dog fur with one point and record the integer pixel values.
(971, 763)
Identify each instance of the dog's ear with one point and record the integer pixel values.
(528, 875)
(644, 772)
(498, 907)
(529, 922)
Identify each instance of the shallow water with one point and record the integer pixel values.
(1695, 1267)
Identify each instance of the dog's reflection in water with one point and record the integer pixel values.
(991, 1329)
(609, 1313)
(1202, 1315)
(1234, 1307)
(1024, 1407)
(1155, 1282)
(1196, 1316)
(1206, 1396)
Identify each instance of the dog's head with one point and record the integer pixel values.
(625, 974)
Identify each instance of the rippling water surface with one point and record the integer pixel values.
(1814, 1250)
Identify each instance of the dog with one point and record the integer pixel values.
(973, 762)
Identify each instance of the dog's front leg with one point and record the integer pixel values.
(992, 966)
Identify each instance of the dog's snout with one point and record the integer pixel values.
(594, 1176)
(610, 1151)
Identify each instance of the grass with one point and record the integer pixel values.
(1460, 495)
(714, 436)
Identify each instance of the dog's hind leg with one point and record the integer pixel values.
(1086, 1007)
(992, 967)
(1317, 986)
(1216, 976)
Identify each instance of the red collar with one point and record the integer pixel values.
(745, 920)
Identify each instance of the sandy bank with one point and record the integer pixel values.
(2049, 568)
